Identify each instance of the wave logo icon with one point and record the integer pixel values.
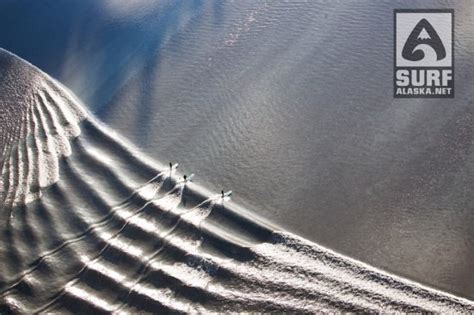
(423, 33)
(424, 53)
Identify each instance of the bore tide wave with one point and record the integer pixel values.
(89, 224)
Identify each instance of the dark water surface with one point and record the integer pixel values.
(290, 105)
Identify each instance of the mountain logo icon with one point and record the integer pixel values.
(423, 33)
(423, 65)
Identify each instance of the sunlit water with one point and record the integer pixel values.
(289, 105)
(90, 224)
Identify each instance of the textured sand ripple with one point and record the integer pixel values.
(91, 225)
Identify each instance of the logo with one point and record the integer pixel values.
(424, 53)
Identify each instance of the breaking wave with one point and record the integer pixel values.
(90, 224)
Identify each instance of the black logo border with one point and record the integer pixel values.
(395, 11)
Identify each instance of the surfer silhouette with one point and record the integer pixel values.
(187, 178)
(222, 193)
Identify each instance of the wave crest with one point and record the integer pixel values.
(92, 225)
